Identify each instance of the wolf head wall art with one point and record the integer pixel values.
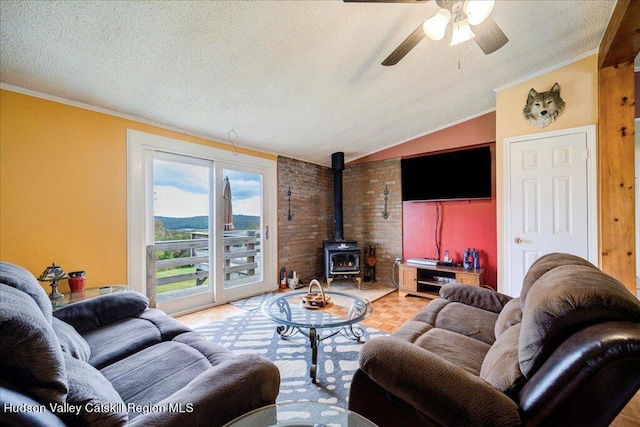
(543, 108)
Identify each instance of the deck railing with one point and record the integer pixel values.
(240, 253)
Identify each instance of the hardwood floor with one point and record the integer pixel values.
(389, 313)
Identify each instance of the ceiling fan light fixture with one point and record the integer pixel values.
(436, 26)
(461, 32)
(478, 10)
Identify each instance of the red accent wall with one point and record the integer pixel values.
(462, 224)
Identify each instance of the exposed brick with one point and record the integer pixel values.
(300, 240)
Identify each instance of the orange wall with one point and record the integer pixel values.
(63, 187)
(578, 88)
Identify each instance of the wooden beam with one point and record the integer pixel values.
(616, 153)
(621, 40)
(616, 143)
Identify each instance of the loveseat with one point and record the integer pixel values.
(566, 352)
(111, 361)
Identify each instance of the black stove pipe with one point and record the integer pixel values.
(337, 164)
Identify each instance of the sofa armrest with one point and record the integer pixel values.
(486, 299)
(218, 395)
(440, 390)
(92, 313)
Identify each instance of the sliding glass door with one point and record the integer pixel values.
(201, 223)
(243, 231)
(182, 205)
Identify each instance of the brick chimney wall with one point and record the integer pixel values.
(300, 240)
(364, 186)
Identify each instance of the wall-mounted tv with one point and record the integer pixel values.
(453, 175)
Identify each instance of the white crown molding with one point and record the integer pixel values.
(546, 70)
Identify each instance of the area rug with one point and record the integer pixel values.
(368, 291)
(252, 332)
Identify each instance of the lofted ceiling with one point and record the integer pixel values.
(301, 79)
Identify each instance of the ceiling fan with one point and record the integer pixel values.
(469, 19)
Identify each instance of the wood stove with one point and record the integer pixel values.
(341, 257)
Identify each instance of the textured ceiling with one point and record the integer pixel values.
(296, 78)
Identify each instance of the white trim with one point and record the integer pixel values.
(592, 193)
(138, 143)
(546, 70)
(429, 132)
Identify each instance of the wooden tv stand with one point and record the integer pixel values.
(426, 281)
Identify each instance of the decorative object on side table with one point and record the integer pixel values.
(52, 274)
(77, 281)
(471, 259)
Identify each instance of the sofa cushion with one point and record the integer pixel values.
(70, 340)
(153, 374)
(465, 352)
(412, 330)
(546, 263)
(484, 298)
(431, 311)
(467, 320)
(103, 310)
(510, 315)
(168, 327)
(30, 354)
(565, 300)
(118, 340)
(500, 367)
(100, 405)
(21, 279)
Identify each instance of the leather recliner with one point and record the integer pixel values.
(565, 352)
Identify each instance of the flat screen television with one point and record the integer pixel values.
(454, 175)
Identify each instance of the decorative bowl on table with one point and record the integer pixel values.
(315, 299)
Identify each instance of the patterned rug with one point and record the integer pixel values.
(337, 356)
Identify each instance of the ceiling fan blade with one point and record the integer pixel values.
(409, 43)
(489, 36)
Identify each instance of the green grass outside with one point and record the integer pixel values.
(169, 287)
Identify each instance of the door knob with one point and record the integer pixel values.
(518, 240)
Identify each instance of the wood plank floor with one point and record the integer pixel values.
(389, 313)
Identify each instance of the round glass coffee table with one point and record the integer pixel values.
(300, 414)
(339, 316)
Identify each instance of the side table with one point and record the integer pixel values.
(73, 297)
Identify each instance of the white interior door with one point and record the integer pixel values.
(550, 189)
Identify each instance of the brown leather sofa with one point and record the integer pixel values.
(565, 352)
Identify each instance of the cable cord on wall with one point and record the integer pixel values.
(436, 234)
(395, 272)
